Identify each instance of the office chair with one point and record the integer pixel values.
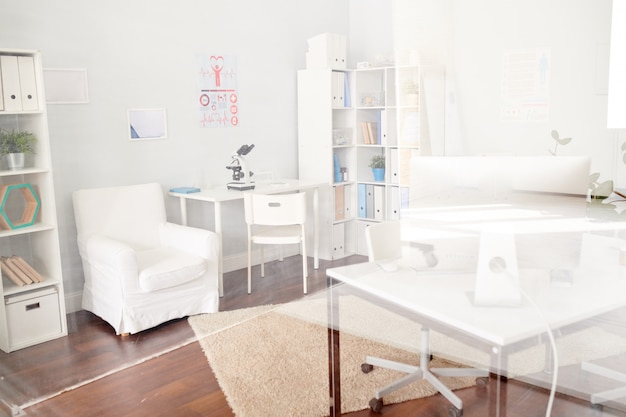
(276, 219)
(384, 245)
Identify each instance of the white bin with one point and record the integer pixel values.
(33, 316)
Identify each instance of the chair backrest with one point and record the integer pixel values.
(128, 213)
(275, 209)
(383, 240)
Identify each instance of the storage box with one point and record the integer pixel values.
(33, 316)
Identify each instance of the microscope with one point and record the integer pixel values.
(241, 175)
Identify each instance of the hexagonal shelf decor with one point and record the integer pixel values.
(11, 204)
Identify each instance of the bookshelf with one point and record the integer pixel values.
(33, 310)
(345, 117)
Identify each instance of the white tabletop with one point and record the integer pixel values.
(446, 297)
(547, 237)
(222, 193)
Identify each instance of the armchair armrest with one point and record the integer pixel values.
(200, 242)
(111, 258)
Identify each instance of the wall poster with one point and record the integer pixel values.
(217, 90)
(525, 89)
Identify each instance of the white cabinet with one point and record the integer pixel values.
(30, 313)
(386, 111)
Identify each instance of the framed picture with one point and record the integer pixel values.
(147, 124)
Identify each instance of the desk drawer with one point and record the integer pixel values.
(32, 316)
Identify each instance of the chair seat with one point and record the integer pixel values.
(277, 234)
(166, 267)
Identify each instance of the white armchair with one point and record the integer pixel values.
(140, 270)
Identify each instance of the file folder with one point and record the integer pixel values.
(11, 83)
(339, 202)
(28, 83)
(379, 202)
(362, 197)
(369, 201)
(394, 203)
(338, 83)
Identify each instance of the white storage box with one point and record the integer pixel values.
(33, 316)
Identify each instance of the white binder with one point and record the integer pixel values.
(394, 203)
(28, 83)
(394, 174)
(338, 81)
(339, 239)
(11, 83)
(379, 202)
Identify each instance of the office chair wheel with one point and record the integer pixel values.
(482, 382)
(454, 412)
(376, 405)
(366, 368)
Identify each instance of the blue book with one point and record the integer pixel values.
(185, 190)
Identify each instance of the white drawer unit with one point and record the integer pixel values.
(33, 317)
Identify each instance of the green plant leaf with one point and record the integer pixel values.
(603, 190)
(555, 135)
(564, 141)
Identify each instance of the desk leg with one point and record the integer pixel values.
(183, 211)
(498, 400)
(316, 229)
(334, 374)
(218, 231)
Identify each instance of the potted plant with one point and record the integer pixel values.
(377, 163)
(14, 144)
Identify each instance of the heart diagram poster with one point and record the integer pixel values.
(217, 90)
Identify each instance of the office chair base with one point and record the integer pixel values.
(423, 371)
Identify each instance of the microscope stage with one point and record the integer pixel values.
(242, 186)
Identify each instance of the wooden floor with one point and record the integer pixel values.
(181, 383)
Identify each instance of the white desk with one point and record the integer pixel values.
(445, 297)
(220, 194)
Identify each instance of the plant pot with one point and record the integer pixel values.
(15, 160)
(379, 174)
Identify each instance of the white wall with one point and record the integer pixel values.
(577, 33)
(141, 54)
(470, 37)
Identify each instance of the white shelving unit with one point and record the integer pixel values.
(32, 313)
(348, 116)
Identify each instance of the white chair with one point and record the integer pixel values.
(384, 245)
(383, 241)
(140, 270)
(276, 219)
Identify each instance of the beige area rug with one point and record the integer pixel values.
(276, 364)
(272, 360)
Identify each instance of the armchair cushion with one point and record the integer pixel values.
(166, 267)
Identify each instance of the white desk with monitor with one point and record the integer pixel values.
(547, 239)
(221, 194)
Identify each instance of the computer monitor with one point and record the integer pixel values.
(445, 180)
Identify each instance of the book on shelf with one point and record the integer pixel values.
(19, 271)
(27, 268)
(371, 133)
(8, 272)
